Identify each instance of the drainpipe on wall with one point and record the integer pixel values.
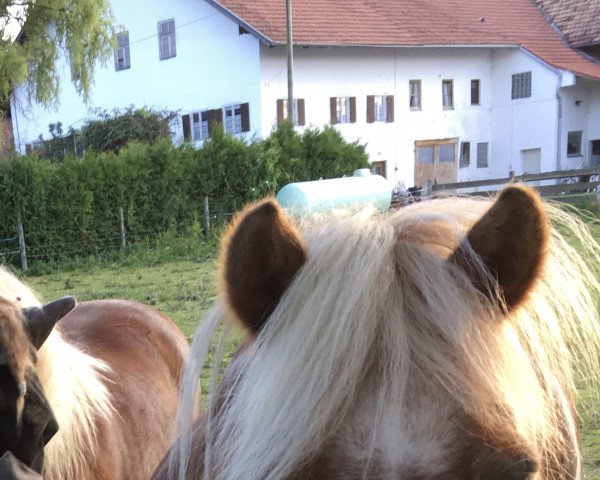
(559, 123)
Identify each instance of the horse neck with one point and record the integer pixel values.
(74, 386)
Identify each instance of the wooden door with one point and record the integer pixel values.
(435, 161)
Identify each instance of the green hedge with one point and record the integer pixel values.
(72, 207)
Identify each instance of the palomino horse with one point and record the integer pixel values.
(110, 370)
(437, 342)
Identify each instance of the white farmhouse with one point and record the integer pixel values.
(438, 90)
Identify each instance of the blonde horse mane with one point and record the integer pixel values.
(74, 385)
(377, 293)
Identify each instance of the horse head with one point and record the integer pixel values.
(26, 420)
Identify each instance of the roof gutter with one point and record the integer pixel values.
(232, 16)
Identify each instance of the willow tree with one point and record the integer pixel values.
(33, 34)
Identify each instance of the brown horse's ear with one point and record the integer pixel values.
(260, 257)
(39, 321)
(511, 239)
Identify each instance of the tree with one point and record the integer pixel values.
(82, 29)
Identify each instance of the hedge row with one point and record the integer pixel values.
(160, 187)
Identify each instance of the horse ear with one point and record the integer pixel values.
(261, 255)
(511, 239)
(39, 321)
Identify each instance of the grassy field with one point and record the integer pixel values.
(186, 289)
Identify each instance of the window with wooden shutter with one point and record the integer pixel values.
(245, 113)
(187, 130)
(389, 105)
(370, 108)
(122, 58)
(333, 116)
(280, 110)
(352, 109)
(414, 87)
(301, 112)
(166, 39)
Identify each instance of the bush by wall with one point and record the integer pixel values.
(73, 207)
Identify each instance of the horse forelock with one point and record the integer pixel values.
(377, 315)
(74, 385)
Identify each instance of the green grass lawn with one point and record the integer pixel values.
(186, 289)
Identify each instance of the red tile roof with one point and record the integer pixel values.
(577, 20)
(412, 23)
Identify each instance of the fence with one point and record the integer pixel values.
(572, 185)
(16, 250)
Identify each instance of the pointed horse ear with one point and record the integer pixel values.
(39, 321)
(260, 257)
(511, 239)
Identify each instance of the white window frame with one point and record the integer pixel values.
(414, 94)
(199, 126)
(380, 108)
(233, 125)
(521, 85)
(122, 52)
(448, 94)
(343, 109)
(167, 40)
(285, 112)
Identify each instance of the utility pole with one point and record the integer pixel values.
(290, 61)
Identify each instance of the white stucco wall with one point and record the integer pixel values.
(214, 66)
(580, 112)
(321, 73)
(527, 123)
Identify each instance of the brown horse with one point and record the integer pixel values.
(436, 342)
(110, 370)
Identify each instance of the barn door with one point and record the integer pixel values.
(435, 162)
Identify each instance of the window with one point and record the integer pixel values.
(482, 155)
(380, 108)
(474, 92)
(574, 144)
(342, 109)
(414, 89)
(166, 39)
(447, 152)
(299, 114)
(236, 118)
(198, 126)
(122, 60)
(465, 154)
(521, 85)
(447, 94)
(379, 168)
(425, 155)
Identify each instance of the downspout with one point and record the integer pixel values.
(559, 122)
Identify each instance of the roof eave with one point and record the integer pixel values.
(374, 45)
(241, 22)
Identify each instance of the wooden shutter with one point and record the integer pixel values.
(370, 108)
(301, 114)
(333, 110)
(187, 129)
(389, 108)
(245, 109)
(279, 111)
(352, 109)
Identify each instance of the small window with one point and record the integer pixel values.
(465, 154)
(342, 109)
(521, 85)
(595, 147)
(200, 125)
(380, 108)
(425, 155)
(574, 144)
(447, 152)
(414, 88)
(299, 113)
(236, 118)
(122, 59)
(447, 94)
(482, 155)
(474, 92)
(379, 168)
(166, 39)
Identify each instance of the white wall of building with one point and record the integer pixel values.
(215, 66)
(324, 72)
(522, 126)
